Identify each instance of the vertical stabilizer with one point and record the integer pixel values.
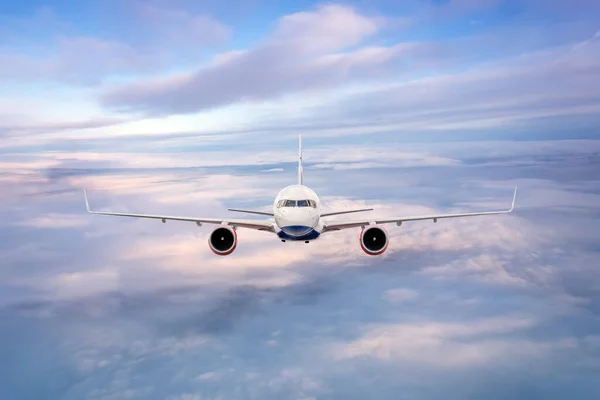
(300, 171)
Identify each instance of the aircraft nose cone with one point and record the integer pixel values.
(297, 230)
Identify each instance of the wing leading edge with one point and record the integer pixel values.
(345, 212)
(259, 225)
(251, 212)
(339, 225)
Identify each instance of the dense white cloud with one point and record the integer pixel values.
(178, 249)
(320, 158)
(130, 300)
(330, 28)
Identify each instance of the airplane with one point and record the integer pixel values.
(297, 216)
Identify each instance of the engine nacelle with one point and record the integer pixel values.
(222, 240)
(374, 240)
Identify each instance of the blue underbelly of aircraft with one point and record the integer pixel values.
(298, 232)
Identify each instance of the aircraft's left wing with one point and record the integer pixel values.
(339, 225)
(264, 225)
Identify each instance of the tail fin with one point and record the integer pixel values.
(300, 170)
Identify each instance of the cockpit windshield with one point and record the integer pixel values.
(297, 203)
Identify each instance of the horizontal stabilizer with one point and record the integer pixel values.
(251, 212)
(345, 212)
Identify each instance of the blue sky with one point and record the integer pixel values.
(187, 107)
(116, 68)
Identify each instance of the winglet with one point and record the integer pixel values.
(87, 204)
(512, 207)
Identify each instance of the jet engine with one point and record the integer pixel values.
(374, 240)
(222, 240)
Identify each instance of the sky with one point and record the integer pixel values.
(192, 107)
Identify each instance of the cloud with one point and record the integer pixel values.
(151, 39)
(173, 26)
(102, 56)
(82, 284)
(20, 127)
(501, 94)
(494, 90)
(365, 78)
(273, 170)
(400, 295)
(41, 20)
(450, 345)
(55, 221)
(296, 57)
(123, 303)
(330, 28)
(169, 157)
(176, 250)
(78, 60)
(484, 267)
(99, 307)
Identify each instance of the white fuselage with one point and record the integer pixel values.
(297, 211)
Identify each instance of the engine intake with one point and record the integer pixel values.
(374, 240)
(222, 240)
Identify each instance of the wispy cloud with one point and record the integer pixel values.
(400, 295)
(443, 344)
(71, 55)
(23, 127)
(332, 69)
(168, 25)
(296, 57)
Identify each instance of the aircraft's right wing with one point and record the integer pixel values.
(264, 225)
(252, 211)
(329, 214)
(339, 225)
